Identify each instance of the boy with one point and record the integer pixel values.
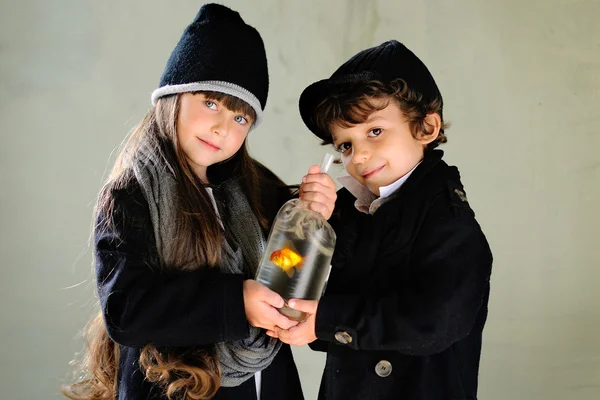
(406, 302)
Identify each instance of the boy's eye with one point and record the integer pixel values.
(240, 120)
(375, 132)
(343, 147)
(211, 104)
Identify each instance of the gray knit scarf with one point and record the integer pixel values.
(243, 247)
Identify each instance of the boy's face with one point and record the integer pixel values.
(381, 150)
(208, 132)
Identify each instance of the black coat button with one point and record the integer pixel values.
(343, 337)
(383, 368)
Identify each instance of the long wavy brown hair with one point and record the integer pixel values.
(191, 373)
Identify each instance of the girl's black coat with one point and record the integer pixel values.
(143, 305)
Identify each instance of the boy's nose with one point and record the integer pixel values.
(360, 155)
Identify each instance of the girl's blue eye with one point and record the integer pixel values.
(210, 104)
(375, 132)
(344, 147)
(240, 120)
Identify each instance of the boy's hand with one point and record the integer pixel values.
(304, 332)
(319, 190)
(261, 303)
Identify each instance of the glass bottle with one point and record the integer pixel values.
(297, 259)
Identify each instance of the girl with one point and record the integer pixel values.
(180, 227)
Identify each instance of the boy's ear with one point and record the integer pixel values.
(433, 124)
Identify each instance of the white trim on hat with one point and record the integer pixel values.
(213, 86)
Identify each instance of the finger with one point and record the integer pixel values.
(325, 209)
(314, 169)
(284, 336)
(317, 197)
(318, 187)
(307, 306)
(294, 337)
(314, 183)
(284, 322)
(318, 192)
(272, 298)
(322, 178)
(320, 208)
(319, 204)
(271, 318)
(272, 334)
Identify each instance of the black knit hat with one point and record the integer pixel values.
(386, 62)
(218, 52)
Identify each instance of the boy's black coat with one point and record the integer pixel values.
(409, 286)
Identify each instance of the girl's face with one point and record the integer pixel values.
(208, 132)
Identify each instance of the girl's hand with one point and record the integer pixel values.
(260, 304)
(304, 333)
(319, 191)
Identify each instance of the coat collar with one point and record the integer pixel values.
(368, 203)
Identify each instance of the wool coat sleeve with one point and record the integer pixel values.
(142, 304)
(450, 266)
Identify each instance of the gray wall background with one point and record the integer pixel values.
(521, 82)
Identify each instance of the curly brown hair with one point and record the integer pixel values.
(354, 103)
